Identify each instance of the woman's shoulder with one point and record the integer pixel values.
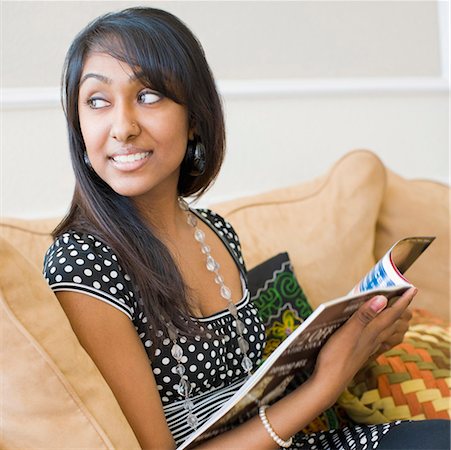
(75, 247)
(225, 230)
(222, 225)
(82, 262)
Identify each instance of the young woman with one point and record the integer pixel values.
(155, 290)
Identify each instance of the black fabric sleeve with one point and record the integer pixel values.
(81, 263)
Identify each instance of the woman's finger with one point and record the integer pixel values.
(407, 315)
(403, 302)
(365, 331)
(391, 314)
(393, 335)
(399, 326)
(369, 310)
(385, 346)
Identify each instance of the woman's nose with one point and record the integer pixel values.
(125, 125)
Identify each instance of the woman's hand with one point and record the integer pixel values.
(400, 328)
(372, 328)
(339, 360)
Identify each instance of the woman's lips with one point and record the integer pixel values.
(130, 161)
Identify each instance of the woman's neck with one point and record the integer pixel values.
(164, 216)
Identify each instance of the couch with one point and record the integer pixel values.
(334, 228)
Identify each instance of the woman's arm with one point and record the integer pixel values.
(112, 342)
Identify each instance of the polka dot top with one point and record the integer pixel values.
(82, 263)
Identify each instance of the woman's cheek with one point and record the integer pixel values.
(95, 142)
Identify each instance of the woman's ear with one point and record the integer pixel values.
(191, 133)
(192, 128)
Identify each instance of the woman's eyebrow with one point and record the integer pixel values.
(105, 79)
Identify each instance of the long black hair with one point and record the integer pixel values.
(164, 54)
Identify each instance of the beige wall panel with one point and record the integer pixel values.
(273, 39)
(271, 143)
(281, 142)
(36, 174)
(273, 140)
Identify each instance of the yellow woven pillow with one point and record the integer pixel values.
(410, 381)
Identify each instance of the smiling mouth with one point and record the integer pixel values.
(130, 158)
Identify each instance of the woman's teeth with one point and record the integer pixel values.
(130, 158)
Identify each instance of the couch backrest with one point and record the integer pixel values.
(334, 227)
(419, 208)
(337, 226)
(326, 225)
(31, 238)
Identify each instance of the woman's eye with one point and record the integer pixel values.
(96, 102)
(149, 97)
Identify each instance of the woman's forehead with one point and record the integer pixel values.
(108, 63)
(104, 68)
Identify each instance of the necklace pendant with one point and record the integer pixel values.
(226, 292)
(240, 327)
(180, 369)
(199, 235)
(184, 388)
(192, 420)
(211, 263)
(188, 405)
(183, 205)
(192, 220)
(246, 363)
(232, 308)
(177, 352)
(243, 344)
(205, 249)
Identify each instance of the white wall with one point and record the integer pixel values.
(302, 82)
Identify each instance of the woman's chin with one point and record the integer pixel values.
(131, 191)
(143, 186)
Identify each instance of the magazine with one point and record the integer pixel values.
(299, 350)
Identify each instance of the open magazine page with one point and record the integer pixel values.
(389, 270)
(300, 349)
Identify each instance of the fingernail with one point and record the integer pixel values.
(378, 303)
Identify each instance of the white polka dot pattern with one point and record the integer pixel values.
(81, 262)
(359, 437)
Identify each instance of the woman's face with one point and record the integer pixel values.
(135, 138)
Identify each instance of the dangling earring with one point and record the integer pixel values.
(87, 162)
(195, 157)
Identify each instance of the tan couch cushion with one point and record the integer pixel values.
(327, 225)
(53, 395)
(31, 237)
(419, 207)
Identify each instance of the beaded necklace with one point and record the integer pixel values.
(184, 386)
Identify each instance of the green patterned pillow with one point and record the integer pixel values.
(281, 303)
(282, 306)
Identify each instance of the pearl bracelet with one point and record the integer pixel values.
(276, 438)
